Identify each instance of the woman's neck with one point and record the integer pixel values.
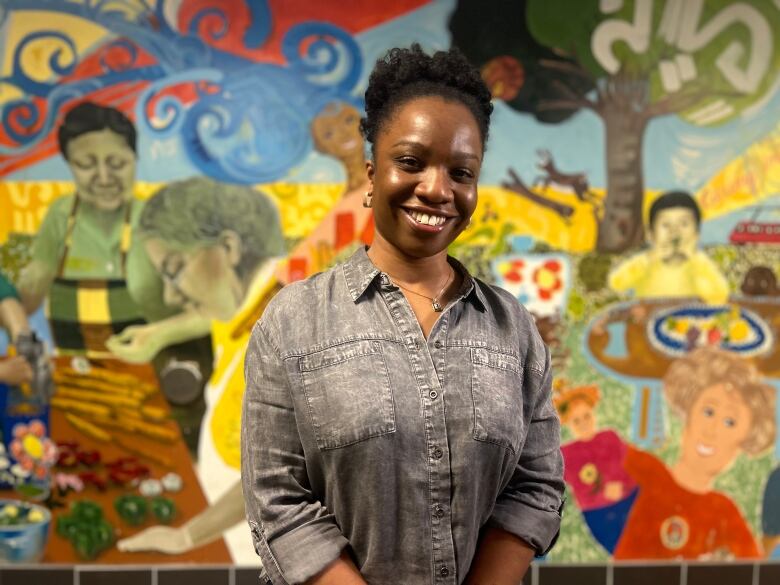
(426, 273)
(105, 218)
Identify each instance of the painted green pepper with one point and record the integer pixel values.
(163, 509)
(131, 508)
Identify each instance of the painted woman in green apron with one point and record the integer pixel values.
(80, 252)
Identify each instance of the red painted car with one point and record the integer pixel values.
(758, 230)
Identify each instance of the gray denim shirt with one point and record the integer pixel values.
(359, 432)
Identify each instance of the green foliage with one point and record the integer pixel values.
(14, 255)
(729, 55)
(593, 270)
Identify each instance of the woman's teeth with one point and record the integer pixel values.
(427, 219)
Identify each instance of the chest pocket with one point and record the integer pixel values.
(348, 393)
(497, 392)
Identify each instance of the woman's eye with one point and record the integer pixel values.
(729, 422)
(408, 161)
(116, 164)
(83, 164)
(463, 174)
(709, 411)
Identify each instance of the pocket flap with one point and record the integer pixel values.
(495, 359)
(337, 354)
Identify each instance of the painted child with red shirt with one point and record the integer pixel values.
(727, 410)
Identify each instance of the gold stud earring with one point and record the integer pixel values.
(367, 199)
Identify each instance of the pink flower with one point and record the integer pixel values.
(32, 449)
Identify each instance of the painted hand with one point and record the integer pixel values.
(613, 491)
(15, 371)
(162, 539)
(137, 344)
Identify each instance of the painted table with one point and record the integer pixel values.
(622, 343)
(189, 501)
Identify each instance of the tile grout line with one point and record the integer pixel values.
(534, 574)
(610, 576)
(231, 575)
(755, 573)
(154, 575)
(76, 575)
(684, 574)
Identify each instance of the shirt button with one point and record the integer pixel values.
(433, 394)
(444, 571)
(437, 453)
(439, 512)
(437, 344)
(384, 279)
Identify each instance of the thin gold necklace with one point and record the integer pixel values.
(435, 304)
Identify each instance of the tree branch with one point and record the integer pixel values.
(566, 67)
(564, 104)
(572, 95)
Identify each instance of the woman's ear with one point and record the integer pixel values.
(233, 246)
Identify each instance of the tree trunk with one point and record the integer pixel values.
(621, 226)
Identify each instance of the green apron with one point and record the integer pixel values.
(84, 313)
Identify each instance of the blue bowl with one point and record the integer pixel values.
(24, 543)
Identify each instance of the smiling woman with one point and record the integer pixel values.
(346, 450)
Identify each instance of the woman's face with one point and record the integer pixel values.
(203, 280)
(336, 131)
(103, 167)
(427, 159)
(716, 426)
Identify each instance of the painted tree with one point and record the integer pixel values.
(629, 62)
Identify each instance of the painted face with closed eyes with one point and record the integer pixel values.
(103, 167)
(427, 159)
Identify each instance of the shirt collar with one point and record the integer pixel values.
(360, 272)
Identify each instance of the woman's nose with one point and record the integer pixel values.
(435, 185)
(103, 173)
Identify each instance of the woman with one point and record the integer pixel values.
(352, 473)
(727, 410)
(215, 246)
(80, 252)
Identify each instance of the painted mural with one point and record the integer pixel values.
(168, 166)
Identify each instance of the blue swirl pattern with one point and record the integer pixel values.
(250, 126)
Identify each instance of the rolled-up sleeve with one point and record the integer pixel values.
(295, 536)
(530, 505)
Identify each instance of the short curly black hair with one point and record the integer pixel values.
(404, 74)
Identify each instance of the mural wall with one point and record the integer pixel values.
(167, 167)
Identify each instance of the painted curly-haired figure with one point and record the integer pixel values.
(726, 410)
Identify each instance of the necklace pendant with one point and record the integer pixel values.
(436, 306)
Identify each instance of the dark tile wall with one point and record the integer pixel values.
(541, 573)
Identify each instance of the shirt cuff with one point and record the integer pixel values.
(539, 528)
(302, 553)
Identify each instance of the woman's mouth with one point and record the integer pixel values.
(426, 221)
(705, 450)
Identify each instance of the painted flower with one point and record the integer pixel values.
(34, 452)
(512, 271)
(548, 279)
(589, 474)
